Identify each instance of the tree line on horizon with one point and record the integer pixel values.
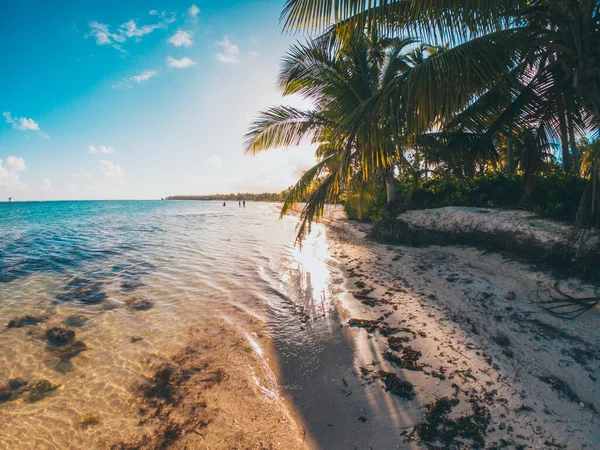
(261, 197)
(408, 95)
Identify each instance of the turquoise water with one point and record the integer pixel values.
(112, 271)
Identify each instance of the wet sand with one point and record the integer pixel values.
(485, 365)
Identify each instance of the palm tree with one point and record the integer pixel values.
(344, 76)
(555, 41)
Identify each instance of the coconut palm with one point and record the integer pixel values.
(344, 77)
(556, 42)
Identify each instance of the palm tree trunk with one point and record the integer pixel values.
(564, 138)
(390, 188)
(511, 157)
(527, 185)
(574, 152)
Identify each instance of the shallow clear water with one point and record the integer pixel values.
(197, 262)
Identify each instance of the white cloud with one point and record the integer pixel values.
(24, 124)
(231, 52)
(47, 184)
(215, 161)
(100, 149)
(103, 36)
(181, 38)
(193, 11)
(9, 176)
(21, 123)
(144, 76)
(111, 169)
(180, 63)
(141, 78)
(15, 164)
(130, 29)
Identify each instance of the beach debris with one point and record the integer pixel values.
(392, 383)
(90, 420)
(370, 325)
(395, 342)
(59, 337)
(439, 427)
(75, 321)
(406, 358)
(566, 306)
(41, 389)
(131, 285)
(14, 388)
(135, 339)
(25, 321)
(18, 387)
(17, 383)
(62, 342)
(71, 350)
(373, 325)
(510, 295)
(83, 291)
(386, 330)
(139, 303)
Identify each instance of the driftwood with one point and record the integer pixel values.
(566, 306)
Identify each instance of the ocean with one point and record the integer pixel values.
(132, 283)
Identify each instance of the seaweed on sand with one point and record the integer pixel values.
(19, 387)
(59, 337)
(373, 325)
(173, 398)
(370, 325)
(397, 342)
(439, 427)
(405, 358)
(83, 291)
(139, 303)
(90, 420)
(61, 341)
(75, 321)
(25, 321)
(392, 383)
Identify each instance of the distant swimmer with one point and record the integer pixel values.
(224, 204)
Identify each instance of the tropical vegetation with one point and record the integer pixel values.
(408, 95)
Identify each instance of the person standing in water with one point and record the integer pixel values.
(224, 204)
(240, 203)
(244, 201)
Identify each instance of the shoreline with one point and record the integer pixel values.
(350, 344)
(487, 365)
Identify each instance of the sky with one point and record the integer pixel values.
(139, 99)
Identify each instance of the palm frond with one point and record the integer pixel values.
(282, 126)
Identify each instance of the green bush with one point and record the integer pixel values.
(554, 195)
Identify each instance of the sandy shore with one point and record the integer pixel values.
(451, 349)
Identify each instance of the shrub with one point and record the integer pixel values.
(555, 195)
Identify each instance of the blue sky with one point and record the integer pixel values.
(139, 99)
